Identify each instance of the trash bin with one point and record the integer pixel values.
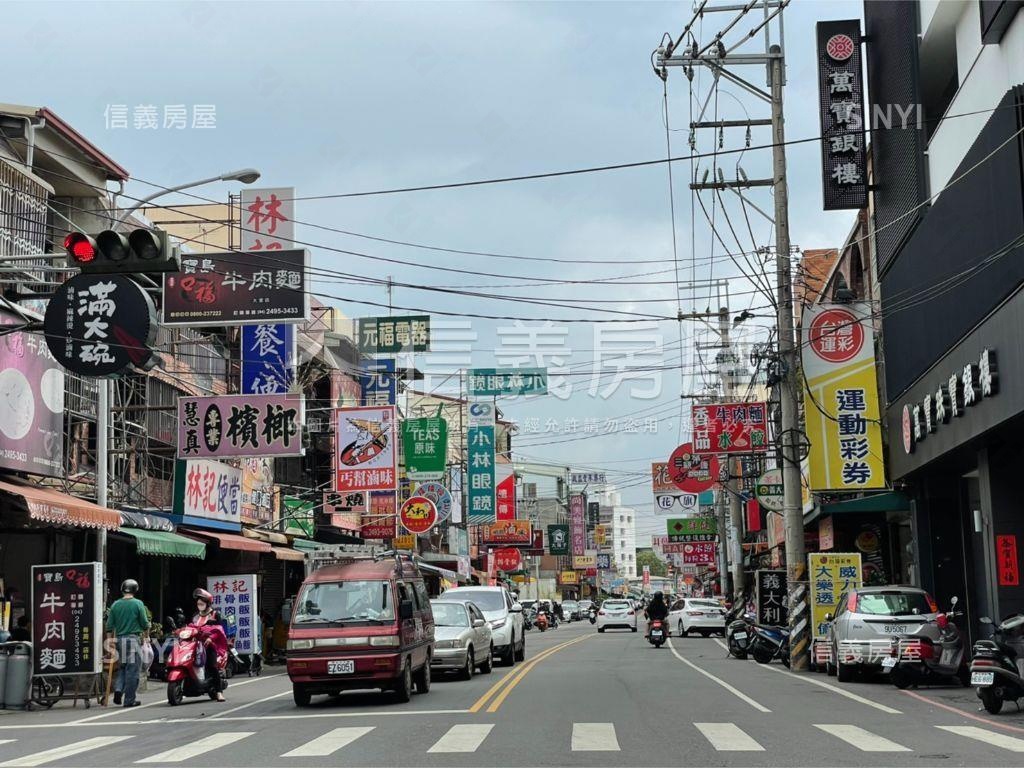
(18, 678)
(4, 653)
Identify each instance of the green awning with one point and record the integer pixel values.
(894, 501)
(305, 545)
(165, 543)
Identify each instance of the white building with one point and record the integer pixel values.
(620, 527)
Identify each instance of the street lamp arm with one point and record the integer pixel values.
(246, 176)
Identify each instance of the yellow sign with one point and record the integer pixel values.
(582, 562)
(404, 542)
(569, 577)
(841, 398)
(599, 535)
(831, 576)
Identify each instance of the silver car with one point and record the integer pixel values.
(866, 620)
(462, 638)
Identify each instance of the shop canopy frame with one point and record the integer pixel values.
(164, 543)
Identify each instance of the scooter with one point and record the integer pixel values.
(186, 667)
(997, 666)
(916, 659)
(593, 615)
(769, 643)
(656, 633)
(541, 622)
(738, 635)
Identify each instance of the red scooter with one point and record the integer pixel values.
(656, 633)
(186, 667)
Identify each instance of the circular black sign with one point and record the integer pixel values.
(99, 325)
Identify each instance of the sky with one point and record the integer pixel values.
(334, 98)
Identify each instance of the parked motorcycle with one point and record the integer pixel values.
(738, 635)
(769, 643)
(656, 633)
(249, 663)
(186, 667)
(997, 668)
(918, 658)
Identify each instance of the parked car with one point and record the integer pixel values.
(585, 606)
(462, 638)
(362, 624)
(571, 610)
(616, 613)
(505, 617)
(866, 621)
(696, 614)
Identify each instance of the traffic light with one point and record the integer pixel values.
(142, 250)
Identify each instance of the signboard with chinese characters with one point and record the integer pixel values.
(239, 425)
(406, 541)
(1006, 557)
(418, 515)
(768, 490)
(67, 618)
(257, 490)
(425, 448)
(604, 561)
(730, 428)
(438, 494)
(577, 524)
(378, 530)
(692, 529)
(588, 478)
(558, 539)
(365, 455)
(568, 577)
(692, 472)
(378, 382)
(235, 595)
(268, 219)
(841, 102)
(32, 403)
(841, 398)
(826, 533)
(770, 589)
(831, 575)
(507, 559)
(208, 490)
(99, 325)
(480, 472)
(585, 561)
(491, 382)
(510, 532)
(391, 335)
(238, 288)
(699, 553)
(505, 492)
(269, 355)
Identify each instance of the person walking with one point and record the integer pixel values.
(128, 626)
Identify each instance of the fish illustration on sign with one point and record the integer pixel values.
(371, 439)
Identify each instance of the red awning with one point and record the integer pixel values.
(51, 506)
(230, 540)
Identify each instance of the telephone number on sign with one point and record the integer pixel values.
(15, 455)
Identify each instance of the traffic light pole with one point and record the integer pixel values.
(102, 458)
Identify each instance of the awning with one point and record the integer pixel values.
(50, 506)
(164, 543)
(306, 545)
(230, 540)
(894, 501)
(442, 572)
(133, 519)
(269, 536)
(287, 553)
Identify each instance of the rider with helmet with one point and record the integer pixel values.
(656, 610)
(128, 626)
(206, 614)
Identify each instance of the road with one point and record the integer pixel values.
(580, 699)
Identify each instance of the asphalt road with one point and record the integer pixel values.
(580, 699)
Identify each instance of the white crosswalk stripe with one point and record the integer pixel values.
(864, 740)
(462, 738)
(989, 737)
(594, 737)
(728, 737)
(329, 743)
(196, 748)
(57, 753)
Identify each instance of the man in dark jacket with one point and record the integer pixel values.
(656, 610)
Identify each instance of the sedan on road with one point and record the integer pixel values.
(505, 617)
(571, 610)
(616, 613)
(696, 614)
(462, 639)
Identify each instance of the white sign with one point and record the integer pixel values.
(588, 478)
(212, 490)
(481, 415)
(234, 597)
(268, 219)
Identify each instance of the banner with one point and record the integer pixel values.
(67, 619)
(240, 425)
(391, 335)
(558, 539)
(770, 589)
(506, 492)
(491, 382)
(365, 455)
(730, 428)
(511, 532)
(831, 576)
(235, 596)
(208, 489)
(480, 458)
(841, 398)
(577, 524)
(425, 446)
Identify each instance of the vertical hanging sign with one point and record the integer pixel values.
(577, 524)
(480, 456)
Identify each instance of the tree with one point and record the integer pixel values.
(648, 558)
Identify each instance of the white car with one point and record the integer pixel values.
(616, 613)
(504, 615)
(696, 614)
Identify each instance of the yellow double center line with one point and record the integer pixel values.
(504, 686)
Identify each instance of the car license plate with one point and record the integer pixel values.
(889, 662)
(894, 629)
(983, 678)
(341, 667)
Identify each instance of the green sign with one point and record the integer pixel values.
(489, 382)
(298, 516)
(425, 443)
(558, 539)
(692, 526)
(388, 335)
(769, 490)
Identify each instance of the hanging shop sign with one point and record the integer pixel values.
(379, 530)
(392, 335)
(257, 491)
(770, 592)
(604, 561)
(365, 455)
(298, 516)
(480, 471)
(268, 218)
(558, 539)
(600, 535)
(240, 425)
(841, 398)
(700, 553)
(438, 494)
(269, 355)
(507, 559)
(458, 541)
(510, 532)
(768, 490)
(505, 492)
(691, 472)
(826, 533)
(667, 495)
(425, 446)
(491, 382)
(405, 542)
(208, 490)
(1006, 554)
(588, 478)
(691, 529)
(585, 561)
(831, 575)
(100, 325)
(236, 288)
(235, 599)
(418, 515)
(730, 428)
(577, 524)
(379, 382)
(67, 618)
(568, 577)
(841, 104)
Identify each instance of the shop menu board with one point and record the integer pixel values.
(67, 616)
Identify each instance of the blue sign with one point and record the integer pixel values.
(379, 383)
(268, 358)
(604, 562)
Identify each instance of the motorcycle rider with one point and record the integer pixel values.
(656, 610)
(207, 614)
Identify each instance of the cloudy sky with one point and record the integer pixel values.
(335, 98)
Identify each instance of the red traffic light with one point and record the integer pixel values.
(80, 247)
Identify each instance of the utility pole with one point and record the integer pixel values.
(734, 523)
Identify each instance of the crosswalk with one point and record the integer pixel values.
(469, 738)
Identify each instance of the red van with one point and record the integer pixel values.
(362, 624)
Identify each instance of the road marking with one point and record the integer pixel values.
(250, 704)
(865, 741)
(739, 694)
(988, 737)
(594, 737)
(726, 647)
(835, 689)
(963, 713)
(196, 748)
(38, 758)
(504, 679)
(500, 698)
(329, 743)
(462, 738)
(728, 737)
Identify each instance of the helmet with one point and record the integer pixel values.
(129, 587)
(659, 596)
(202, 594)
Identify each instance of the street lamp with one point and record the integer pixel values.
(245, 175)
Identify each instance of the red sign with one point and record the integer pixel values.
(507, 559)
(647, 575)
(1006, 552)
(418, 514)
(673, 547)
(730, 428)
(699, 553)
(506, 495)
(836, 335)
(385, 530)
(690, 472)
(839, 47)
